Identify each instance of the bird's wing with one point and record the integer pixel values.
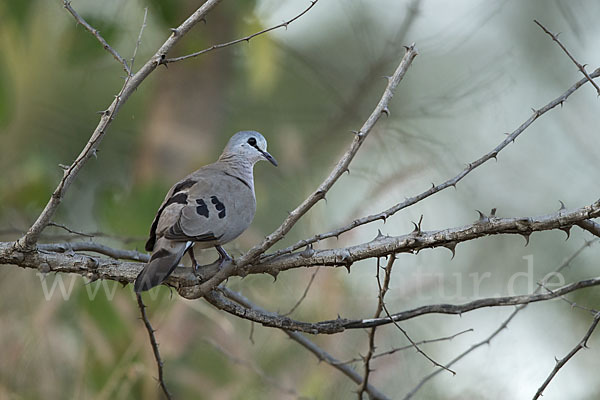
(212, 206)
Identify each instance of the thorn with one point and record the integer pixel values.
(493, 212)
(482, 218)
(347, 266)
(494, 155)
(308, 252)
(383, 218)
(452, 247)
(386, 111)
(203, 20)
(64, 167)
(274, 275)
(526, 237)
(562, 206)
(379, 235)
(174, 31)
(432, 186)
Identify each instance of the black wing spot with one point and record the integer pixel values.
(202, 208)
(219, 206)
(179, 198)
(188, 183)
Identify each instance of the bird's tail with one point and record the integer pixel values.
(165, 258)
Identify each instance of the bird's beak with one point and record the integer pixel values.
(269, 157)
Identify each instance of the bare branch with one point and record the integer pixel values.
(561, 363)
(301, 299)
(415, 241)
(380, 304)
(503, 325)
(159, 362)
(139, 39)
(321, 354)
(96, 34)
(47, 259)
(590, 226)
(493, 154)
(318, 194)
(27, 242)
(244, 39)
(61, 226)
(579, 66)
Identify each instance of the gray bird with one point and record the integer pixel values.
(208, 208)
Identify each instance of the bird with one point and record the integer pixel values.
(208, 208)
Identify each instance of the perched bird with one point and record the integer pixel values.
(208, 208)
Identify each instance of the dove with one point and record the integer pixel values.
(208, 208)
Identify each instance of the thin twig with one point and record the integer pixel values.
(382, 291)
(96, 34)
(244, 39)
(561, 363)
(139, 39)
(301, 299)
(409, 346)
(321, 354)
(159, 362)
(381, 294)
(61, 226)
(579, 66)
(493, 154)
(503, 325)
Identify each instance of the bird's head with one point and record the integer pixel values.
(250, 145)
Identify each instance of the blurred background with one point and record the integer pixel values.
(481, 67)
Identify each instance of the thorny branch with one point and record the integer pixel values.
(62, 257)
(560, 363)
(493, 154)
(579, 66)
(96, 34)
(159, 362)
(566, 263)
(244, 39)
(380, 298)
(321, 354)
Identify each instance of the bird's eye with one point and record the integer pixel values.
(252, 141)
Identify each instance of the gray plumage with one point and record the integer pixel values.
(208, 208)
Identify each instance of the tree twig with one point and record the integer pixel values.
(301, 299)
(244, 39)
(579, 66)
(321, 354)
(380, 298)
(502, 326)
(159, 362)
(139, 39)
(96, 34)
(561, 363)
